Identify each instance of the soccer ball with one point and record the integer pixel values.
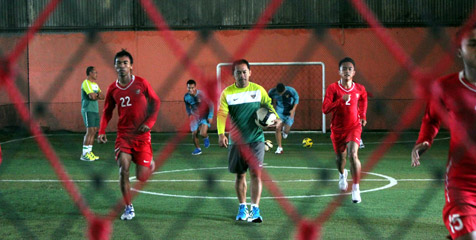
(264, 117)
(268, 145)
(307, 142)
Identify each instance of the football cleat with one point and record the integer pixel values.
(87, 157)
(356, 196)
(128, 213)
(206, 142)
(242, 213)
(197, 151)
(279, 150)
(343, 181)
(361, 144)
(255, 215)
(94, 155)
(285, 135)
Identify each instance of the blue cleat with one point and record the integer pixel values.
(255, 216)
(206, 142)
(197, 151)
(242, 213)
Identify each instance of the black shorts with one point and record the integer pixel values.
(236, 161)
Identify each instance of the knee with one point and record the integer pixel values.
(124, 172)
(142, 177)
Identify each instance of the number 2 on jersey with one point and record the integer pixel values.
(348, 101)
(125, 101)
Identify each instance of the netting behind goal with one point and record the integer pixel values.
(308, 78)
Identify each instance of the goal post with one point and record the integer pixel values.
(308, 78)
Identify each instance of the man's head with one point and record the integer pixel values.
(91, 73)
(280, 88)
(241, 72)
(192, 87)
(123, 63)
(347, 68)
(467, 47)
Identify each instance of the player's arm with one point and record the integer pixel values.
(211, 109)
(330, 104)
(87, 88)
(430, 126)
(188, 107)
(296, 101)
(153, 102)
(109, 105)
(362, 104)
(222, 114)
(100, 94)
(268, 102)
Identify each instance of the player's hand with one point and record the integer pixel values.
(346, 97)
(210, 120)
(144, 128)
(363, 122)
(222, 140)
(417, 151)
(276, 123)
(292, 113)
(102, 138)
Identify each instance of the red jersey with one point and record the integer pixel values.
(346, 114)
(137, 104)
(455, 98)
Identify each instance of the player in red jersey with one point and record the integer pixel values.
(347, 101)
(453, 103)
(137, 106)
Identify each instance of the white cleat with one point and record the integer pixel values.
(279, 150)
(343, 181)
(285, 135)
(356, 196)
(128, 213)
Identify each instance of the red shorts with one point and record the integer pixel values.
(340, 139)
(459, 219)
(141, 150)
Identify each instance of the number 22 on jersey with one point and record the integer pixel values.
(125, 101)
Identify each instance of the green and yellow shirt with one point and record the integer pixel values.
(241, 104)
(88, 105)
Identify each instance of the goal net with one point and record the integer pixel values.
(308, 78)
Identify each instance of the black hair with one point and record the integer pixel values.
(89, 70)
(191, 81)
(461, 33)
(239, 62)
(346, 59)
(280, 87)
(123, 53)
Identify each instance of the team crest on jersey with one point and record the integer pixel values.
(138, 91)
(357, 95)
(253, 96)
(287, 95)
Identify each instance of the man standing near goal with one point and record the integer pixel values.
(286, 99)
(90, 94)
(137, 106)
(453, 102)
(199, 124)
(347, 101)
(241, 100)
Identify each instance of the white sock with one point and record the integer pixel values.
(355, 186)
(254, 205)
(85, 149)
(90, 148)
(243, 204)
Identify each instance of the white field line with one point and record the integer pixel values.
(204, 180)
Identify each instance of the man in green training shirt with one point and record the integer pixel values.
(90, 94)
(241, 100)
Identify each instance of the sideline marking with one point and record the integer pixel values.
(392, 183)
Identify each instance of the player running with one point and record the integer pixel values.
(241, 100)
(453, 102)
(137, 106)
(90, 94)
(286, 99)
(199, 123)
(347, 101)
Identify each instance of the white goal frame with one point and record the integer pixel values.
(283, 64)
